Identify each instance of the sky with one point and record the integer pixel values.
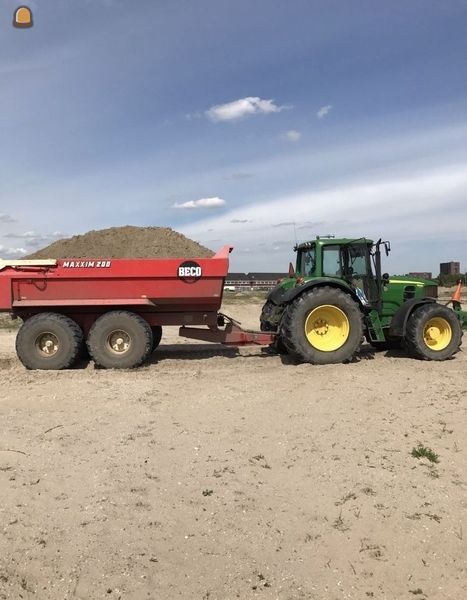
(255, 123)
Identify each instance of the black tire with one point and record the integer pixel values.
(156, 336)
(278, 346)
(265, 324)
(415, 333)
(295, 318)
(119, 340)
(49, 341)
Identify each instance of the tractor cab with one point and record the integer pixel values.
(355, 261)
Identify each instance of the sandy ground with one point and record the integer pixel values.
(215, 474)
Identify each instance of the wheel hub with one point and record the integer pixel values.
(327, 328)
(47, 344)
(119, 341)
(437, 334)
(321, 327)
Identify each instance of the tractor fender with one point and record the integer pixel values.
(283, 297)
(401, 316)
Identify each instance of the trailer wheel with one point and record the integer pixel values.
(119, 340)
(322, 326)
(156, 336)
(49, 341)
(433, 333)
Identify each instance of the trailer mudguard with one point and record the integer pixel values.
(281, 296)
(401, 316)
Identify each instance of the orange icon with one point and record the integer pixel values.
(22, 17)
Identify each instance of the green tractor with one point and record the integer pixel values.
(336, 296)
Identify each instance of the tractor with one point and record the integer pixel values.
(336, 296)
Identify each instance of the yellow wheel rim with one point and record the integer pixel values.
(327, 328)
(437, 334)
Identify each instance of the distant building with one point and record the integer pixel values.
(252, 281)
(450, 268)
(421, 275)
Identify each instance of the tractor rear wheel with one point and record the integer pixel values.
(265, 323)
(433, 332)
(156, 336)
(49, 341)
(322, 326)
(119, 340)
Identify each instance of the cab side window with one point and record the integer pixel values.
(331, 261)
(309, 262)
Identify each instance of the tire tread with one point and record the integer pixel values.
(291, 315)
(23, 344)
(412, 341)
(93, 342)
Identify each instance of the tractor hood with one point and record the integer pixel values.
(407, 280)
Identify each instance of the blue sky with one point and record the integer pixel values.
(249, 122)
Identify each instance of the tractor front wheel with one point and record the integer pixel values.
(322, 326)
(433, 333)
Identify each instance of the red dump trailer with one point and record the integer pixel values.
(117, 307)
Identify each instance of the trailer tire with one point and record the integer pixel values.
(156, 337)
(119, 340)
(433, 332)
(49, 341)
(322, 326)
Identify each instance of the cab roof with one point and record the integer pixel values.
(331, 241)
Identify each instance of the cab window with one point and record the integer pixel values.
(308, 262)
(331, 261)
(357, 260)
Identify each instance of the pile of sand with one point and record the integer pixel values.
(125, 242)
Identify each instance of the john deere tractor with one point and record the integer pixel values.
(336, 296)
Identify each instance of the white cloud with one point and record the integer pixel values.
(284, 224)
(324, 111)
(201, 203)
(242, 108)
(192, 116)
(292, 135)
(4, 218)
(33, 239)
(26, 235)
(6, 252)
(406, 208)
(238, 176)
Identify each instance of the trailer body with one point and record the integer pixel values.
(168, 291)
(184, 292)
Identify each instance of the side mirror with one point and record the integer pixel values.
(291, 270)
(385, 278)
(387, 248)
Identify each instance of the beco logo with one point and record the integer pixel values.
(189, 271)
